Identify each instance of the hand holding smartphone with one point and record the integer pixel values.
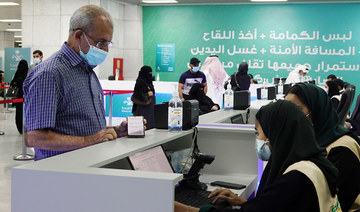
(135, 126)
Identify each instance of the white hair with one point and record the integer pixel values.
(84, 18)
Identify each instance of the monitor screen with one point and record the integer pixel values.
(153, 160)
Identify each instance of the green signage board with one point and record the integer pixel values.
(271, 38)
(165, 57)
(12, 59)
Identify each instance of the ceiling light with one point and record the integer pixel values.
(159, 1)
(267, 0)
(13, 30)
(18, 41)
(18, 36)
(8, 4)
(10, 20)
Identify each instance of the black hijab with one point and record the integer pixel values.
(197, 92)
(324, 117)
(292, 140)
(145, 75)
(333, 89)
(243, 68)
(20, 75)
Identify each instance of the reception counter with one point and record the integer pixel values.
(98, 178)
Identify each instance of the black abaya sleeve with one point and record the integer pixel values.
(291, 192)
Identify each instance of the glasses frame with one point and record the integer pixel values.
(99, 44)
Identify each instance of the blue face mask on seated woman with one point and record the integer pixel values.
(262, 150)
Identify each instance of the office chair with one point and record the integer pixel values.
(354, 120)
(345, 103)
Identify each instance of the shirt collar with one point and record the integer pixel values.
(73, 57)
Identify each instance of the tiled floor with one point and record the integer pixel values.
(10, 145)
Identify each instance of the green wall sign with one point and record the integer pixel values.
(12, 59)
(271, 38)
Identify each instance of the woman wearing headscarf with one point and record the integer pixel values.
(18, 81)
(144, 96)
(333, 93)
(215, 76)
(206, 105)
(298, 177)
(341, 144)
(240, 80)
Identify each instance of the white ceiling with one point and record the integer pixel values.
(185, 2)
(10, 12)
(14, 12)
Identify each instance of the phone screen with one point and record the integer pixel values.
(135, 126)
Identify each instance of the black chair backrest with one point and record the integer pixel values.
(356, 110)
(345, 104)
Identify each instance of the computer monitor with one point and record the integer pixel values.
(153, 160)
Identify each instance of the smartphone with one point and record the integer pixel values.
(228, 185)
(135, 126)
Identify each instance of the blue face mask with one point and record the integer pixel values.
(95, 56)
(262, 150)
(195, 69)
(37, 60)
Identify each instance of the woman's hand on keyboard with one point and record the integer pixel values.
(227, 195)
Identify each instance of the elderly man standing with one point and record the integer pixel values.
(63, 97)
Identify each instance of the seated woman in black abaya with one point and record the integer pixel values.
(206, 105)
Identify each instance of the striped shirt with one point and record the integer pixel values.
(64, 95)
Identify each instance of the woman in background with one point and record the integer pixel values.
(333, 93)
(144, 96)
(341, 144)
(240, 80)
(18, 81)
(206, 105)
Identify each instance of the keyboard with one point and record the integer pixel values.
(195, 198)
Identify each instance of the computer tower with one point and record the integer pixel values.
(161, 115)
(276, 80)
(271, 93)
(190, 114)
(241, 100)
(286, 88)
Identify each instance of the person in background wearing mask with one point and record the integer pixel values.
(342, 145)
(297, 75)
(297, 176)
(64, 103)
(37, 58)
(18, 81)
(144, 96)
(191, 77)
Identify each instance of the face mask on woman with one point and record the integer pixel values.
(262, 150)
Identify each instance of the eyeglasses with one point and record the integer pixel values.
(99, 44)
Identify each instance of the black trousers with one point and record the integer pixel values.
(19, 116)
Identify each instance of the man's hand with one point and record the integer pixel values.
(215, 107)
(227, 195)
(150, 93)
(122, 131)
(101, 136)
